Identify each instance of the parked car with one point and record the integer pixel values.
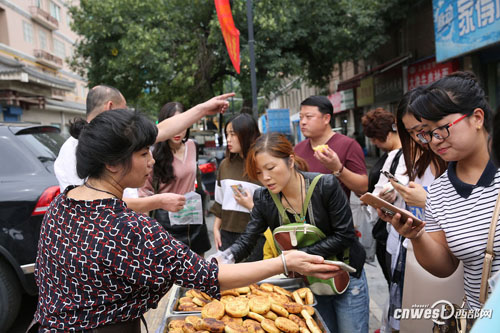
(208, 168)
(27, 186)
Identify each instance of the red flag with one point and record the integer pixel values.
(229, 32)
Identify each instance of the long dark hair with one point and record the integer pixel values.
(275, 144)
(417, 158)
(110, 139)
(163, 169)
(247, 131)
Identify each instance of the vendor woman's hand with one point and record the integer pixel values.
(310, 265)
(406, 229)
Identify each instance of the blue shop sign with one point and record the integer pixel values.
(461, 26)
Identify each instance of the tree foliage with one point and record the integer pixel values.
(162, 50)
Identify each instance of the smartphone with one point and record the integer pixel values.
(391, 176)
(342, 265)
(238, 190)
(389, 209)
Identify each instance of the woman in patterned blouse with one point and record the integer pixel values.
(100, 263)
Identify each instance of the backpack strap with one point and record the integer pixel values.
(281, 209)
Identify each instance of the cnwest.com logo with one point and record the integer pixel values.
(440, 311)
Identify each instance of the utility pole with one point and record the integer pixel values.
(253, 77)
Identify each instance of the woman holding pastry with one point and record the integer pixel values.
(273, 163)
(100, 265)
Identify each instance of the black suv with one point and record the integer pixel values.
(27, 186)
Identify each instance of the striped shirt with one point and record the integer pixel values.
(464, 212)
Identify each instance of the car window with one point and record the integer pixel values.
(13, 162)
(44, 145)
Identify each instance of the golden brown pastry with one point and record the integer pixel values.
(302, 292)
(279, 299)
(190, 293)
(279, 310)
(282, 291)
(185, 299)
(260, 304)
(309, 298)
(206, 296)
(269, 326)
(228, 319)
(191, 307)
(256, 316)
(266, 286)
(252, 326)
(270, 315)
(213, 325)
(231, 292)
(293, 307)
(188, 328)
(214, 309)
(296, 298)
(313, 327)
(176, 324)
(309, 309)
(286, 325)
(200, 301)
(297, 320)
(243, 290)
(194, 320)
(238, 307)
(227, 299)
(304, 330)
(235, 328)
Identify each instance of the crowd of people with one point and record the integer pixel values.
(111, 244)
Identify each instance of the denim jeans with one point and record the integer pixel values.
(349, 312)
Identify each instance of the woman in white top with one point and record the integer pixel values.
(460, 202)
(423, 166)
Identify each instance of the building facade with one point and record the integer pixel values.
(36, 83)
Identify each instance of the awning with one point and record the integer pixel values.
(13, 70)
(52, 104)
(355, 80)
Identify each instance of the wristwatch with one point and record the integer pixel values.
(337, 173)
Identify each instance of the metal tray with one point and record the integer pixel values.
(287, 283)
(317, 317)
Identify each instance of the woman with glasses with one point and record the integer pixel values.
(460, 202)
(423, 167)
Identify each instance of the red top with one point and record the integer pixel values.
(349, 151)
(99, 262)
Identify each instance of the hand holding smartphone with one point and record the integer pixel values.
(391, 176)
(389, 209)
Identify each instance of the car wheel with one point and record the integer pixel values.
(10, 296)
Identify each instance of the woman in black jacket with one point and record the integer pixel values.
(273, 163)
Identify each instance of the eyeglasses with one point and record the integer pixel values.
(440, 133)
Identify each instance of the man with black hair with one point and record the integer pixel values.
(102, 98)
(335, 153)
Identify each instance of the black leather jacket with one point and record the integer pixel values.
(328, 209)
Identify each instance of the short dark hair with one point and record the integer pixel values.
(163, 169)
(378, 123)
(458, 92)
(247, 131)
(322, 103)
(99, 95)
(110, 139)
(417, 157)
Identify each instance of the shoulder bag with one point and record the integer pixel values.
(290, 236)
